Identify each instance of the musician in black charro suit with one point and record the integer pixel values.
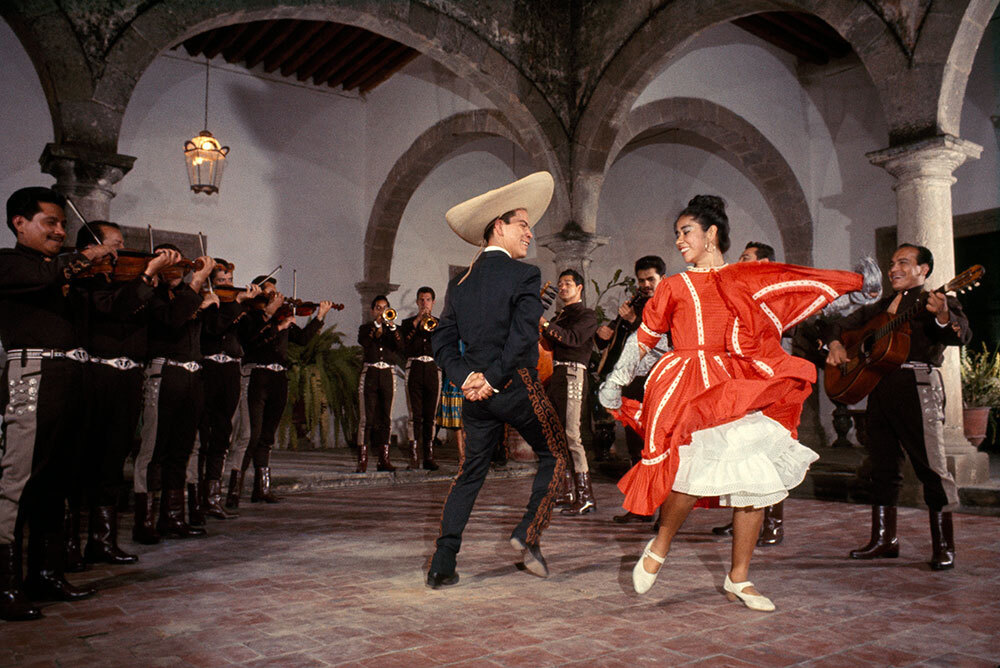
(494, 309)
(905, 411)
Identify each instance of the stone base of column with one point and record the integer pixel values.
(967, 465)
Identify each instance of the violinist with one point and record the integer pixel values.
(649, 270)
(266, 355)
(117, 343)
(381, 342)
(222, 378)
(423, 378)
(41, 324)
(571, 335)
(173, 401)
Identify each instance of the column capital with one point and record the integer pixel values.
(86, 175)
(572, 244)
(932, 157)
(368, 290)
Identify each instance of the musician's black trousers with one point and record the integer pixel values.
(179, 406)
(266, 397)
(222, 394)
(116, 405)
(906, 415)
(423, 387)
(378, 386)
(524, 406)
(40, 400)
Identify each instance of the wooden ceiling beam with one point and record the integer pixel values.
(253, 36)
(781, 39)
(801, 32)
(361, 61)
(290, 46)
(282, 29)
(321, 39)
(344, 41)
(390, 69)
(194, 45)
(392, 51)
(226, 37)
(364, 41)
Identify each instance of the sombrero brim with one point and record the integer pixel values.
(532, 193)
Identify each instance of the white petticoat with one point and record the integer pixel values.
(752, 461)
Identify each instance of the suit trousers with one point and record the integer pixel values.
(905, 415)
(110, 429)
(173, 399)
(523, 405)
(376, 392)
(266, 397)
(222, 394)
(423, 388)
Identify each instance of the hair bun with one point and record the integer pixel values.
(708, 202)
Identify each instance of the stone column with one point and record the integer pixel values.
(923, 171)
(572, 248)
(368, 291)
(86, 176)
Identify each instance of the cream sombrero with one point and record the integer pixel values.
(532, 193)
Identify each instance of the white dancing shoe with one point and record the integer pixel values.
(734, 591)
(642, 579)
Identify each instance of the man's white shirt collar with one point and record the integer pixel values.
(498, 248)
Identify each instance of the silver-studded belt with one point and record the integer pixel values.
(77, 354)
(575, 365)
(187, 366)
(269, 367)
(378, 365)
(922, 366)
(222, 358)
(422, 358)
(120, 363)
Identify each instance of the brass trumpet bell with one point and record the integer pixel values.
(389, 317)
(430, 324)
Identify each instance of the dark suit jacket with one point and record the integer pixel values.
(495, 311)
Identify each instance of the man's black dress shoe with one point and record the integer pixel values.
(534, 562)
(630, 517)
(437, 580)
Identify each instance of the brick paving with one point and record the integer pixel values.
(335, 577)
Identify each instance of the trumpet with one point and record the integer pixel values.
(429, 324)
(389, 318)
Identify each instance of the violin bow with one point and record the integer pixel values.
(201, 242)
(84, 221)
(264, 280)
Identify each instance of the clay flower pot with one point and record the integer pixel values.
(976, 419)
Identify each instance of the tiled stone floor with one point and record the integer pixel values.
(334, 577)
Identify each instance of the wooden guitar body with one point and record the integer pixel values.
(871, 358)
(545, 365)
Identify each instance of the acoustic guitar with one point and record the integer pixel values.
(545, 365)
(881, 345)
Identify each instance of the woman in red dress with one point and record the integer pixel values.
(721, 410)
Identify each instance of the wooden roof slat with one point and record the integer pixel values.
(781, 39)
(387, 54)
(253, 36)
(360, 62)
(321, 39)
(359, 47)
(303, 33)
(378, 78)
(282, 29)
(344, 41)
(195, 45)
(225, 37)
(801, 32)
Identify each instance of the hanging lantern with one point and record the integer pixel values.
(204, 156)
(205, 160)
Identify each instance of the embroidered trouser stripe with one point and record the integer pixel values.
(240, 438)
(142, 476)
(565, 391)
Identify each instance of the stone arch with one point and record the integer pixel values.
(410, 170)
(754, 155)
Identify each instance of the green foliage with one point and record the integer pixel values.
(628, 283)
(981, 378)
(322, 385)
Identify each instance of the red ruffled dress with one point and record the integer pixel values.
(721, 410)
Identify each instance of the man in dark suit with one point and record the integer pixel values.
(494, 309)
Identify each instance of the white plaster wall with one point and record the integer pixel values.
(25, 118)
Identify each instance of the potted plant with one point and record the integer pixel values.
(322, 386)
(980, 391)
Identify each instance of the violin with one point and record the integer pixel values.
(297, 307)
(128, 265)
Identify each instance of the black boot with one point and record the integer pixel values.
(724, 530)
(172, 524)
(883, 543)
(212, 501)
(414, 462)
(584, 497)
(772, 531)
(429, 463)
(71, 529)
(235, 489)
(45, 581)
(196, 516)
(567, 490)
(262, 486)
(942, 541)
(102, 539)
(362, 458)
(143, 531)
(14, 604)
(383, 460)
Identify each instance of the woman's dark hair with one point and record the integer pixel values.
(710, 210)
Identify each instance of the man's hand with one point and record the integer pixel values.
(252, 292)
(605, 333)
(837, 354)
(937, 304)
(627, 312)
(209, 299)
(476, 387)
(285, 323)
(165, 257)
(323, 308)
(95, 253)
(542, 321)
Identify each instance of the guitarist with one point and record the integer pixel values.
(905, 412)
(649, 270)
